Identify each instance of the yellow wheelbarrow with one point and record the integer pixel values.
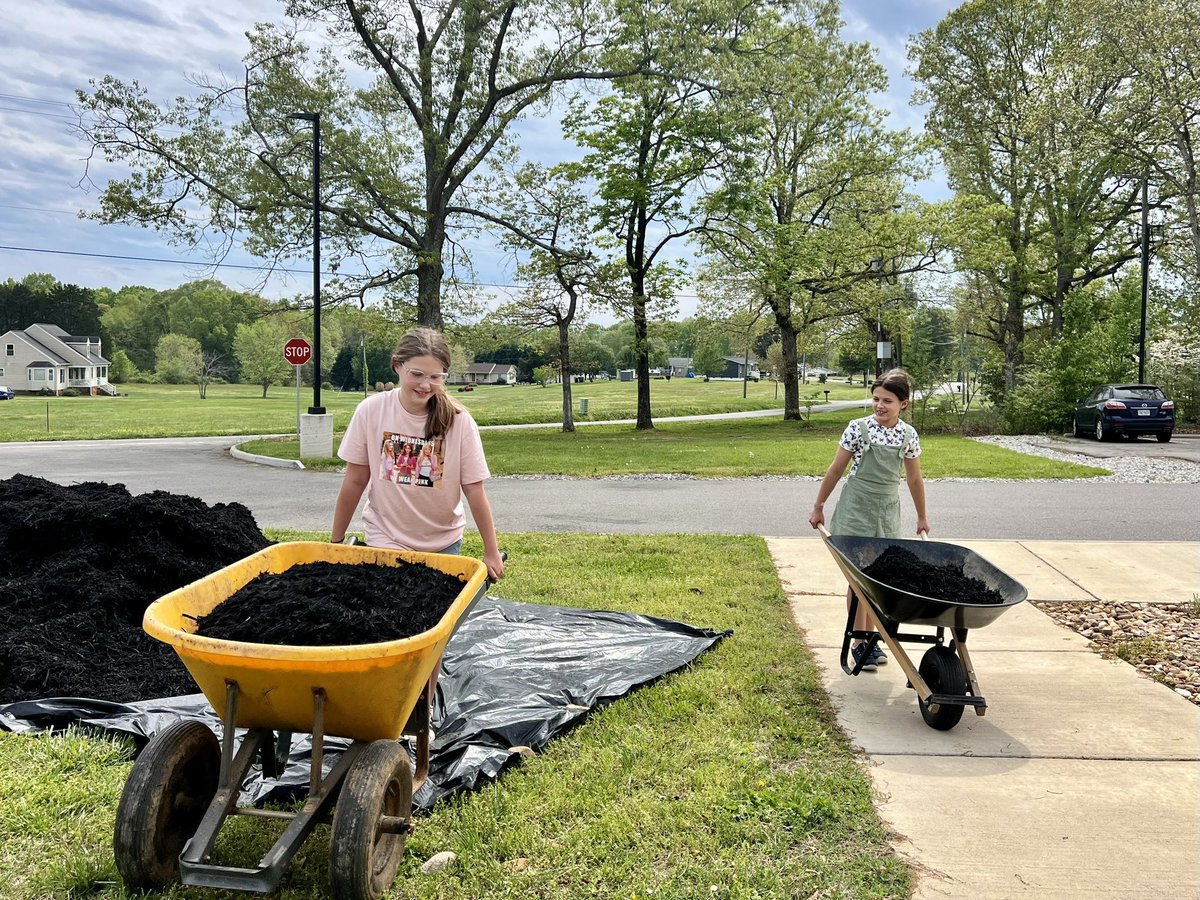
(185, 783)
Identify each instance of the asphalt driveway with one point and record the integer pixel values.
(202, 467)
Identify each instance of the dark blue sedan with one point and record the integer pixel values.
(5, 393)
(1125, 410)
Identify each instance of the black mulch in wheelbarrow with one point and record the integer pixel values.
(79, 564)
(324, 604)
(903, 569)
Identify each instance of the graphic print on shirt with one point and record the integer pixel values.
(407, 460)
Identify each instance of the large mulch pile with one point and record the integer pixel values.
(324, 604)
(78, 567)
(904, 570)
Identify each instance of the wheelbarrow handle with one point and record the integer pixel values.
(825, 533)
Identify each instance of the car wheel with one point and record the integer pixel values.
(1164, 437)
(1075, 429)
(1101, 434)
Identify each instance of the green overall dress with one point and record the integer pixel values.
(869, 505)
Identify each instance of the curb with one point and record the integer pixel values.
(238, 453)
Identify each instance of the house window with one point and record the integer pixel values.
(76, 373)
(37, 375)
(1, 371)
(10, 349)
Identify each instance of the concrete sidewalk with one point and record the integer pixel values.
(1083, 778)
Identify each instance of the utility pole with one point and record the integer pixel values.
(1145, 276)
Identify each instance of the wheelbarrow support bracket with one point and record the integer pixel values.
(194, 867)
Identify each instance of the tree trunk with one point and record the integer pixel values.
(429, 288)
(265, 385)
(641, 350)
(791, 378)
(564, 367)
(1184, 142)
(1012, 333)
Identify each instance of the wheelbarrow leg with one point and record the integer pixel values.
(960, 647)
(881, 633)
(418, 725)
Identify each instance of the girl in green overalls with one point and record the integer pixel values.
(884, 449)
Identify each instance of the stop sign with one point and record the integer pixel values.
(297, 351)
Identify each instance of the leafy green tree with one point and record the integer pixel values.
(413, 97)
(649, 145)
(40, 298)
(259, 350)
(120, 368)
(136, 318)
(1031, 115)
(178, 359)
(590, 357)
(813, 214)
(552, 214)
(1157, 46)
(708, 359)
(210, 312)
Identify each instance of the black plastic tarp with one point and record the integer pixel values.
(514, 675)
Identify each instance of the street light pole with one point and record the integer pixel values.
(315, 118)
(1145, 277)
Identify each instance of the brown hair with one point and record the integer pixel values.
(429, 342)
(896, 381)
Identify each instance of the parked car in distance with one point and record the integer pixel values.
(1125, 410)
(5, 393)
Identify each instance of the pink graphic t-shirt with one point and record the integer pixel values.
(415, 503)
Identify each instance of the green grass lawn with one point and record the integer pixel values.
(730, 779)
(147, 410)
(730, 448)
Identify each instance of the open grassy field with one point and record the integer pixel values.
(148, 410)
(718, 448)
(729, 779)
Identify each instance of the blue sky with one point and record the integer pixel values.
(50, 49)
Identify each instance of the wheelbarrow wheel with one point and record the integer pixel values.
(168, 791)
(943, 672)
(363, 858)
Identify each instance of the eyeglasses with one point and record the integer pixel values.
(418, 376)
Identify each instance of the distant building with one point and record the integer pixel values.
(680, 366)
(44, 357)
(735, 367)
(490, 373)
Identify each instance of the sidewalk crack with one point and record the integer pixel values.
(1055, 568)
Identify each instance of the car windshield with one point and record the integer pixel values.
(1138, 392)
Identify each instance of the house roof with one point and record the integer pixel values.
(489, 368)
(61, 347)
(679, 360)
(741, 360)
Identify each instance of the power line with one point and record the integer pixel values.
(225, 265)
(34, 112)
(23, 99)
(156, 259)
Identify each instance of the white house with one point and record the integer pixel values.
(44, 357)
(491, 373)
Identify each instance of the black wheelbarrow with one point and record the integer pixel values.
(945, 680)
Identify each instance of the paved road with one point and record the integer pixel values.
(279, 497)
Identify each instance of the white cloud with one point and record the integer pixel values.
(48, 50)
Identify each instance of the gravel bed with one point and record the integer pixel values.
(1125, 469)
(1162, 640)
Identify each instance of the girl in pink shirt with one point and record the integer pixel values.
(420, 515)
